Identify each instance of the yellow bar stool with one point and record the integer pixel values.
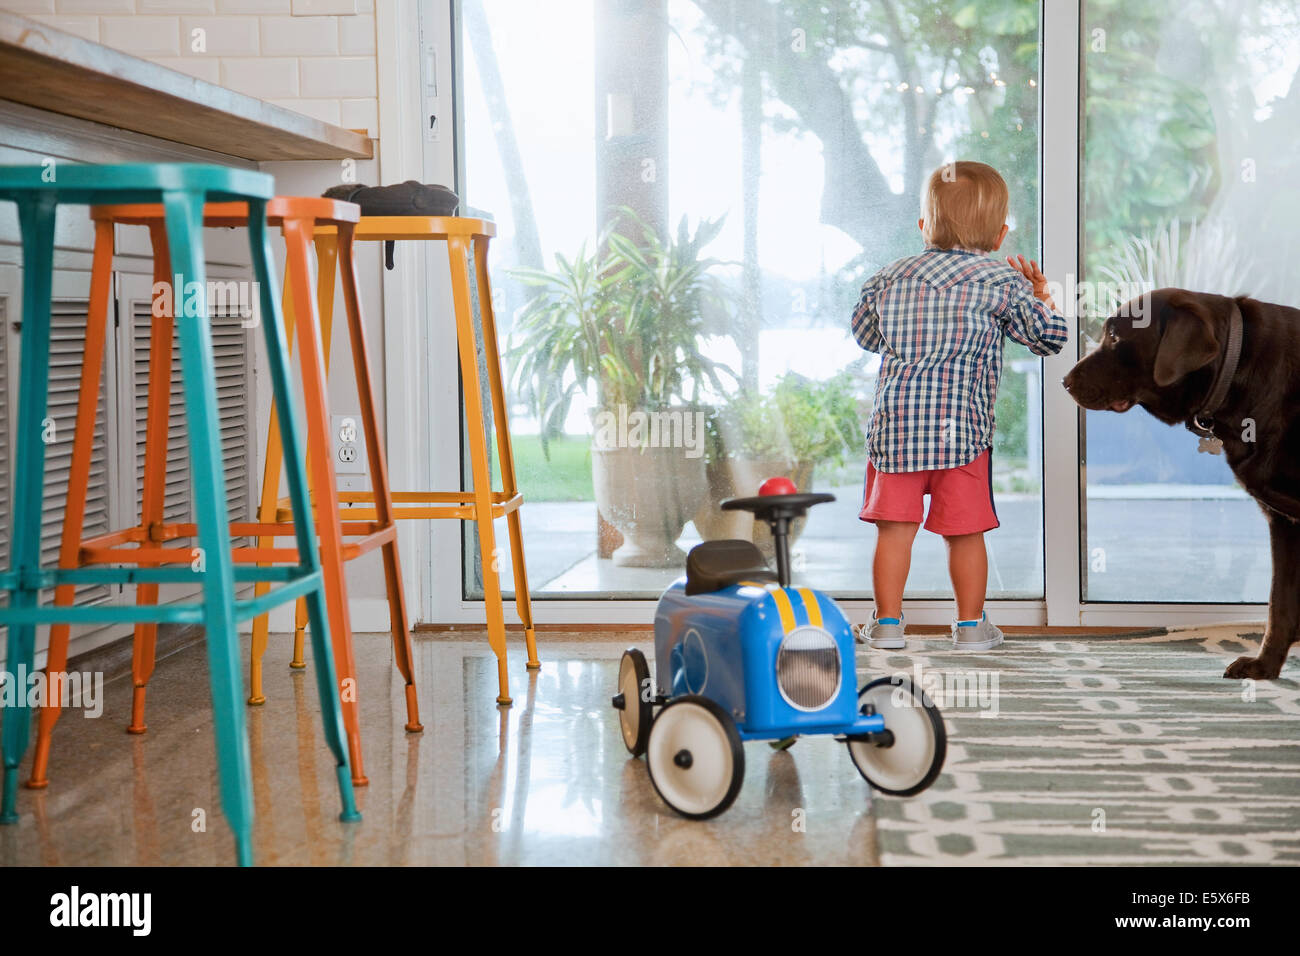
(465, 238)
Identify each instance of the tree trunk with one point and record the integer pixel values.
(631, 104)
(528, 244)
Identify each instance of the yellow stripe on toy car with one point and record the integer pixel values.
(785, 607)
(811, 606)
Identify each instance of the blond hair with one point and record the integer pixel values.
(964, 206)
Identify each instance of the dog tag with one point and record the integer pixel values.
(1210, 445)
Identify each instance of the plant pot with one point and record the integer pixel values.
(802, 475)
(648, 494)
(734, 477)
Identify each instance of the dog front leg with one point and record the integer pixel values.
(1283, 605)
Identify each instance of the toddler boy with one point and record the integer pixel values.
(938, 319)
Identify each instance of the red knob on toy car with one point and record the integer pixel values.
(777, 486)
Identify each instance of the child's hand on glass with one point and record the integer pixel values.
(1029, 269)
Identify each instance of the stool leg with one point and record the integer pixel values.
(457, 250)
(162, 336)
(299, 629)
(509, 481)
(330, 526)
(303, 522)
(74, 514)
(184, 217)
(326, 254)
(398, 620)
(36, 219)
(266, 512)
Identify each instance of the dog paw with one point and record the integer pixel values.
(1252, 667)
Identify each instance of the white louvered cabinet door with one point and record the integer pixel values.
(67, 349)
(67, 346)
(232, 359)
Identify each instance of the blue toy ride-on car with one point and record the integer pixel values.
(741, 655)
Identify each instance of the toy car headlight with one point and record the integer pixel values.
(808, 670)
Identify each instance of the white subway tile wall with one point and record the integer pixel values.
(313, 56)
(360, 113)
(176, 6)
(300, 36)
(317, 7)
(325, 110)
(341, 76)
(267, 77)
(142, 35)
(95, 6)
(253, 6)
(29, 7)
(206, 38)
(203, 67)
(85, 27)
(357, 35)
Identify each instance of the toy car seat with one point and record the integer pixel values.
(714, 565)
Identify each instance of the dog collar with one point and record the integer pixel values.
(1203, 420)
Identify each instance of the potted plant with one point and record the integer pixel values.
(629, 319)
(744, 444)
(788, 431)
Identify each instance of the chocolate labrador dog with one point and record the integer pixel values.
(1229, 369)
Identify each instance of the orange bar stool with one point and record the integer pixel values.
(298, 218)
(465, 238)
(333, 243)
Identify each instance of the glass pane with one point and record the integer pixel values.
(1189, 171)
(735, 171)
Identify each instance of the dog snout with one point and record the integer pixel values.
(1081, 384)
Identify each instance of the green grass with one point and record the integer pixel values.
(566, 477)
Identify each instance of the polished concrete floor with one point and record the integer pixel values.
(546, 781)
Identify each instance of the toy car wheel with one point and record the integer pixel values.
(912, 760)
(695, 757)
(635, 713)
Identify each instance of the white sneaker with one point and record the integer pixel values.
(978, 635)
(885, 634)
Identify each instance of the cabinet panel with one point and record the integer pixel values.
(233, 360)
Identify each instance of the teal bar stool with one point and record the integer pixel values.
(182, 189)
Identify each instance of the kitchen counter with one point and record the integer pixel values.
(55, 71)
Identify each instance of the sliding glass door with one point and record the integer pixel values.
(689, 196)
(1191, 109)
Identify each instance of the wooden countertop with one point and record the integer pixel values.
(56, 71)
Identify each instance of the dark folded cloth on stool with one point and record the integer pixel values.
(400, 199)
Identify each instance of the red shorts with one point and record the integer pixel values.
(961, 499)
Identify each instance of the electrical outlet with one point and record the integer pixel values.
(349, 445)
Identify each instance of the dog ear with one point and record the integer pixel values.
(1189, 341)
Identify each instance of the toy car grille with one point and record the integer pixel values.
(808, 671)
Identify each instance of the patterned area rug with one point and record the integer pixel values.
(1121, 750)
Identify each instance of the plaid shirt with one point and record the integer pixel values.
(938, 320)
